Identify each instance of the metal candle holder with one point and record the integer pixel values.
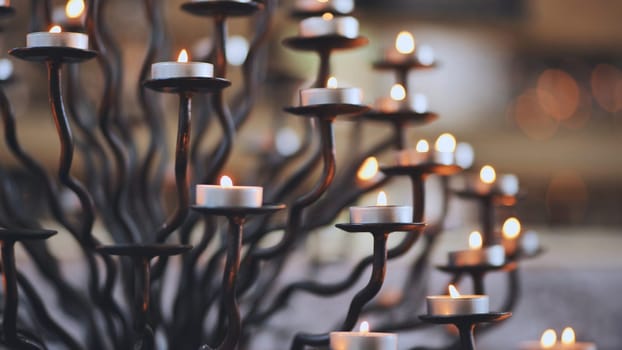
(466, 324)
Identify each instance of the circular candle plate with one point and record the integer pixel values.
(324, 42)
(382, 227)
(327, 110)
(497, 198)
(143, 250)
(423, 169)
(466, 319)
(410, 64)
(177, 85)
(16, 235)
(53, 53)
(221, 8)
(233, 211)
(302, 14)
(483, 268)
(401, 117)
(6, 11)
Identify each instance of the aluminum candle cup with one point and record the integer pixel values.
(62, 39)
(168, 70)
(319, 26)
(381, 214)
(445, 305)
(445, 158)
(343, 6)
(389, 105)
(213, 196)
(319, 96)
(412, 157)
(363, 341)
(535, 345)
(492, 255)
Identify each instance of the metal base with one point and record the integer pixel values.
(239, 211)
(411, 64)
(53, 53)
(466, 324)
(401, 117)
(423, 169)
(495, 197)
(181, 85)
(222, 8)
(382, 227)
(324, 43)
(327, 110)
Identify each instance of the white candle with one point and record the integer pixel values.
(331, 94)
(419, 155)
(329, 25)
(478, 255)
(404, 49)
(72, 14)
(445, 149)
(456, 304)
(57, 38)
(363, 340)
(548, 341)
(488, 182)
(182, 68)
(381, 213)
(511, 231)
(227, 195)
(529, 242)
(342, 6)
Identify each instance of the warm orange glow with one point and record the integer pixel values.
(322, 1)
(327, 16)
(568, 337)
(368, 169)
(511, 228)
(445, 143)
(183, 56)
(487, 174)
(332, 83)
(56, 29)
(225, 181)
(453, 292)
(475, 240)
(74, 8)
(364, 327)
(382, 199)
(422, 146)
(405, 43)
(398, 93)
(531, 117)
(548, 339)
(558, 93)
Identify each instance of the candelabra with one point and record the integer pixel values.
(127, 303)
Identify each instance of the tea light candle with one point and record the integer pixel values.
(57, 38)
(456, 304)
(478, 255)
(328, 24)
(227, 195)
(381, 213)
(331, 94)
(396, 101)
(488, 182)
(548, 341)
(419, 155)
(445, 149)
(404, 49)
(511, 230)
(182, 68)
(363, 340)
(343, 6)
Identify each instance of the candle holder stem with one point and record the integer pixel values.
(418, 193)
(143, 335)
(400, 135)
(9, 285)
(324, 70)
(467, 340)
(220, 53)
(488, 220)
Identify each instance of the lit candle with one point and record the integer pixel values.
(342, 6)
(444, 152)
(227, 195)
(510, 230)
(419, 155)
(398, 101)
(456, 304)
(363, 340)
(368, 171)
(548, 341)
(328, 24)
(57, 38)
(381, 213)
(182, 68)
(488, 182)
(476, 254)
(331, 94)
(71, 15)
(404, 49)
(445, 149)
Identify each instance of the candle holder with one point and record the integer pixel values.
(380, 232)
(6, 11)
(8, 238)
(477, 272)
(141, 256)
(466, 324)
(223, 8)
(236, 217)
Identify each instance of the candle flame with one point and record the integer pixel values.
(74, 8)
(548, 339)
(332, 83)
(327, 16)
(453, 292)
(368, 169)
(56, 29)
(445, 143)
(364, 327)
(511, 228)
(487, 174)
(225, 181)
(422, 146)
(568, 337)
(183, 56)
(475, 240)
(322, 1)
(398, 93)
(405, 43)
(382, 199)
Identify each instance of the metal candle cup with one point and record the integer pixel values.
(445, 305)
(363, 341)
(62, 39)
(319, 26)
(168, 70)
(492, 255)
(381, 214)
(319, 96)
(535, 345)
(213, 196)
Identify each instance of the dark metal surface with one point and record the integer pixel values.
(329, 110)
(324, 43)
(225, 8)
(55, 54)
(6, 11)
(406, 65)
(423, 169)
(20, 235)
(143, 250)
(382, 227)
(403, 118)
(184, 85)
(300, 14)
(239, 211)
(466, 324)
